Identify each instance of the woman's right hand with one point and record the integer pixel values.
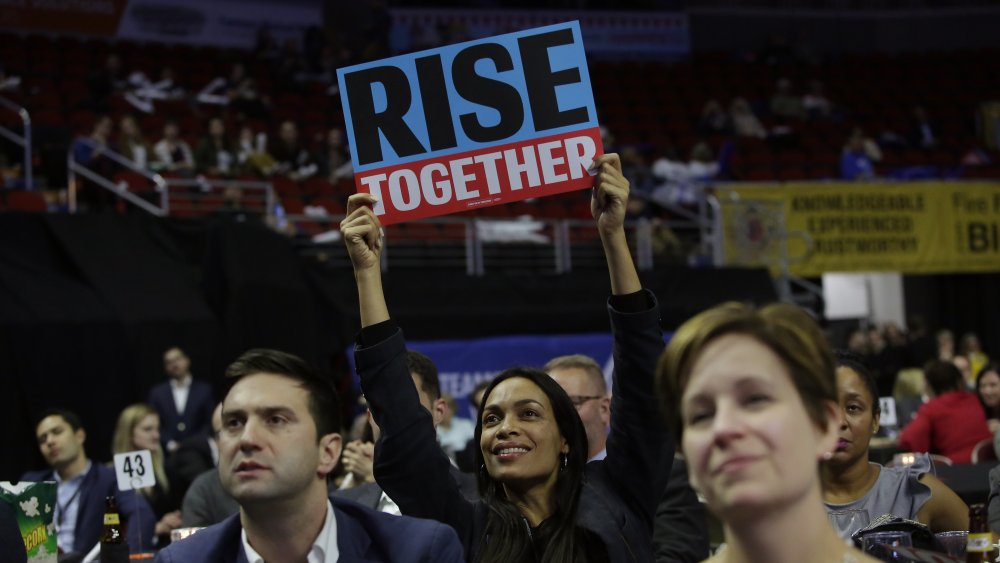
(362, 232)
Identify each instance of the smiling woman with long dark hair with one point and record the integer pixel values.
(541, 500)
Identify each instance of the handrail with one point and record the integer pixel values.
(201, 182)
(472, 243)
(24, 141)
(74, 167)
(116, 189)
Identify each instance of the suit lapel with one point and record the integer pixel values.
(353, 541)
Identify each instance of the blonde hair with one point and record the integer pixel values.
(785, 329)
(122, 440)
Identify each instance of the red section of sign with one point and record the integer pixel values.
(483, 178)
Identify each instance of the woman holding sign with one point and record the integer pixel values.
(138, 428)
(541, 500)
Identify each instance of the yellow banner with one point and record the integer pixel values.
(913, 227)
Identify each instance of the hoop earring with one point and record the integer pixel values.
(565, 461)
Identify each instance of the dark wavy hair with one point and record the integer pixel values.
(507, 536)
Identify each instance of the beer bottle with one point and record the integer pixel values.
(114, 548)
(980, 546)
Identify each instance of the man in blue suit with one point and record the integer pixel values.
(82, 487)
(279, 441)
(184, 404)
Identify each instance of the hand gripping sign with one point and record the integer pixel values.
(472, 125)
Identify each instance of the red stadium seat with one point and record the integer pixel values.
(30, 202)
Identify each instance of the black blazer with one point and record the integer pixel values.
(620, 492)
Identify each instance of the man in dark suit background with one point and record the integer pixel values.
(280, 439)
(183, 403)
(425, 377)
(82, 486)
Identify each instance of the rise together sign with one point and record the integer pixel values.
(472, 125)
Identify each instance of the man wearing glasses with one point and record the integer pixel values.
(583, 381)
(679, 531)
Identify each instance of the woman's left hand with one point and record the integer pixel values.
(610, 196)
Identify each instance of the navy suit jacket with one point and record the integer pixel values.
(100, 482)
(363, 536)
(197, 415)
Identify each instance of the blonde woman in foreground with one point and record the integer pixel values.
(754, 398)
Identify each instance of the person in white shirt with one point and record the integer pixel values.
(184, 404)
(280, 439)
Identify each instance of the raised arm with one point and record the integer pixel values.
(639, 445)
(409, 465)
(607, 205)
(362, 234)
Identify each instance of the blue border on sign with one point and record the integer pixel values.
(569, 96)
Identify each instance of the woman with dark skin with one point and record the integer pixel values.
(849, 479)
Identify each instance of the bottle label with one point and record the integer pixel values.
(112, 519)
(979, 543)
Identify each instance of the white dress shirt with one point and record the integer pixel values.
(180, 390)
(67, 509)
(324, 548)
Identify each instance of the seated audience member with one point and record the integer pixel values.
(745, 123)
(994, 499)
(215, 155)
(184, 404)
(951, 423)
(194, 456)
(89, 150)
(924, 133)
(291, 158)
(684, 180)
(964, 368)
(850, 481)
(855, 162)
(784, 103)
(945, 344)
(466, 459)
(131, 143)
(425, 378)
(138, 428)
(679, 530)
(82, 486)
(971, 348)
(173, 154)
(207, 502)
(280, 439)
(11, 541)
(988, 389)
(357, 459)
(453, 432)
(714, 120)
(251, 153)
(753, 397)
(334, 161)
(541, 500)
(815, 103)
